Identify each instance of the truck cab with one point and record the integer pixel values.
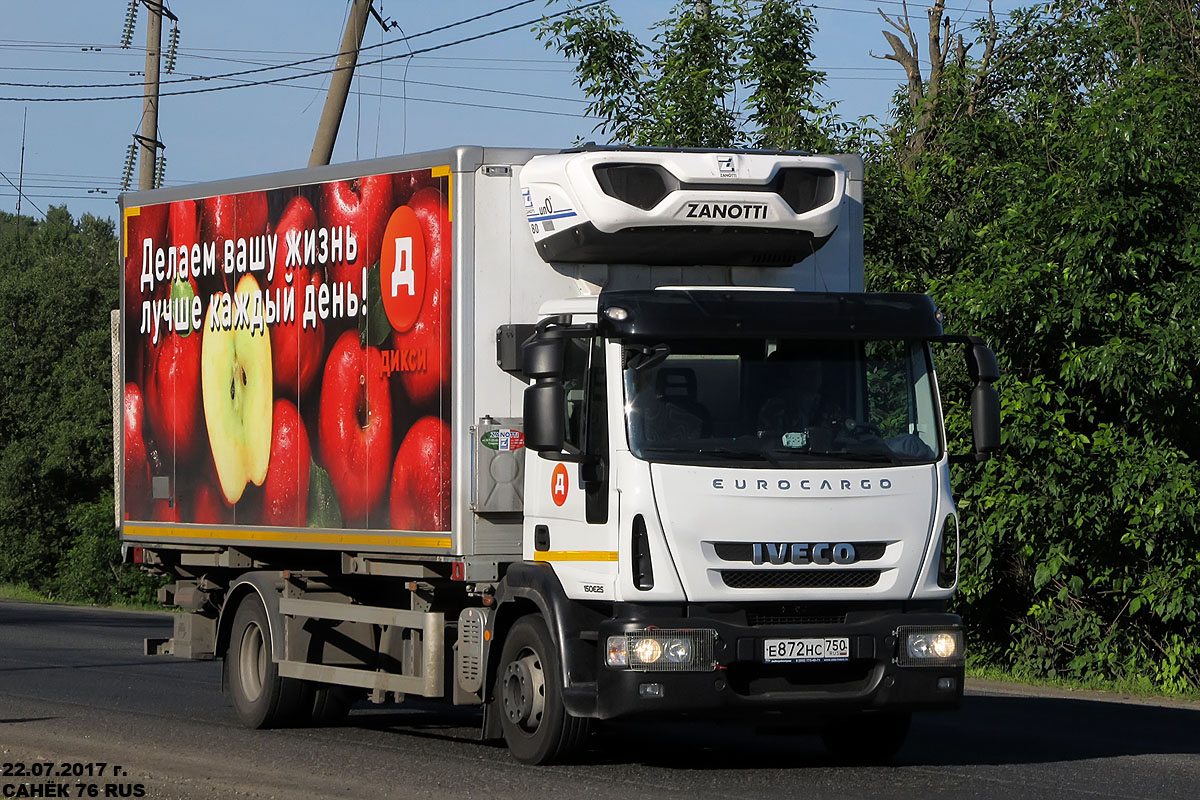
(743, 492)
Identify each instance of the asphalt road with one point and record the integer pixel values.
(75, 691)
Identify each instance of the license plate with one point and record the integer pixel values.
(799, 651)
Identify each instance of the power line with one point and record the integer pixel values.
(196, 52)
(64, 175)
(20, 193)
(240, 73)
(488, 90)
(284, 84)
(309, 74)
(110, 198)
(899, 4)
(565, 68)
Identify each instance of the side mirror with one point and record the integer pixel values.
(544, 408)
(985, 418)
(542, 357)
(982, 364)
(985, 400)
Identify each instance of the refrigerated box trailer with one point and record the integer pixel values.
(571, 436)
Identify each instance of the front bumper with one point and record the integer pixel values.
(743, 685)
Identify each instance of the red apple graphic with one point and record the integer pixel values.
(420, 494)
(183, 224)
(406, 184)
(166, 511)
(431, 332)
(149, 223)
(285, 491)
(137, 455)
(231, 216)
(363, 204)
(172, 381)
(209, 506)
(183, 231)
(296, 351)
(354, 426)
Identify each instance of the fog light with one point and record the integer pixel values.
(650, 689)
(944, 645)
(648, 651)
(932, 645)
(678, 651)
(929, 646)
(663, 650)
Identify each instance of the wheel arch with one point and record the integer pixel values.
(534, 588)
(266, 586)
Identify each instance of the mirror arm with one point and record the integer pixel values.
(550, 328)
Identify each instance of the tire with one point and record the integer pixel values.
(261, 698)
(867, 738)
(331, 704)
(528, 697)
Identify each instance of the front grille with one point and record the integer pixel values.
(761, 618)
(744, 551)
(800, 578)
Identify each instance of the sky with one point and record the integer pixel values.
(502, 89)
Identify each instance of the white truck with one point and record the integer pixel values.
(571, 436)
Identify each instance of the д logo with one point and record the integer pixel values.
(402, 268)
(559, 484)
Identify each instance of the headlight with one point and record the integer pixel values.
(648, 650)
(679, 651)
(663, 650)
(929, 646)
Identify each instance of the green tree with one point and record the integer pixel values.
(682, 90)
(1052, 204)
(58, 281)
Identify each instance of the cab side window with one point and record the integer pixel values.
(587, 420)
(575, 375)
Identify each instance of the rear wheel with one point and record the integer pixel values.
(528, 697)
(331, 704)
(262, 698)
(870, 737)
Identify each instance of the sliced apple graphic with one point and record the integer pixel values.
(236, 384)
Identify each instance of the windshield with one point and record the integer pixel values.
(781, 402)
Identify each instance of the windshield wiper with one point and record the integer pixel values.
(855, 455)
(744, 455)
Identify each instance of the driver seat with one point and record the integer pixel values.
(676, 386)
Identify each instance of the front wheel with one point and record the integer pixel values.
(528, 697)
(262, 698)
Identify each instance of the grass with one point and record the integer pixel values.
(1138, 687)
(24, 594)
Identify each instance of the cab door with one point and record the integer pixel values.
(569, 514)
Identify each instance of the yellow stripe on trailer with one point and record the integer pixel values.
(288, 537)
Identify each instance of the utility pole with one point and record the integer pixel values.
(149, 137)
(21, 177)
(339, 84)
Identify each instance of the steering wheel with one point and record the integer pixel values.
(857, 428)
